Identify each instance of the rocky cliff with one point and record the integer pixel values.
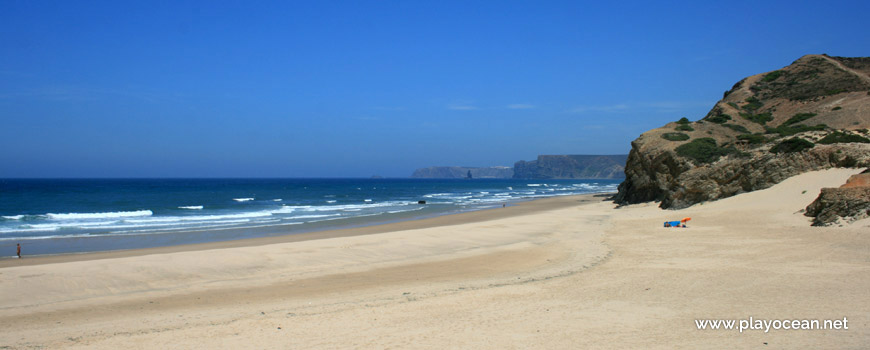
(572, 167)
(458, 172)
(847, 203)
(813, 114)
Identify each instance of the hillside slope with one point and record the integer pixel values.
(813, 114)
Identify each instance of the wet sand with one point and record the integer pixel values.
(569, 272)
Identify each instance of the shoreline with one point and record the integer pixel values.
(515, 208)
(575, 274)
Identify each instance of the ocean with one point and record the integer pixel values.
(60, 216)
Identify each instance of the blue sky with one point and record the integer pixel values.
(361, 88)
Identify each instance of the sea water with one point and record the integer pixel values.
(54, 216)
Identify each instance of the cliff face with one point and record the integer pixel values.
(813, 114)
(849, 202)
(571, 167)
(458, 172)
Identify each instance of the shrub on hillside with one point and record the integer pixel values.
(788, 130)
(761, 118)
(841, 137)
(737, 128)
(792, 145)
(752, 104)
(772, 76)
(797, 118)
(703, 150)
(719, 118)
(752, 138)
(675, 136)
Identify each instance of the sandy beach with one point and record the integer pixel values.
(558, 273)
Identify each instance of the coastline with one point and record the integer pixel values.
(86, 217)
(285, 236)
(579, 274)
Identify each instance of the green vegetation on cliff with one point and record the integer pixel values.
(792, 145)
(760, 118)
(719, 118)
(788, 130)
(703, 150)
(797, 118)
(792, 107)
(675, 136)
(752, 139)
(810, 78)
(840, 137)
(737, 128)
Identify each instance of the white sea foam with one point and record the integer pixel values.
(151, 220)
(118, 214)
(169, 226)
(26, 229)
(347, 207)
(330, 219)
(191, 207)
(404, 211)
(283, 210)
(43, 237)
(486, 200)
(146, 222)
(459, 197)
(277, 200)
(197, 226)
(314, 216)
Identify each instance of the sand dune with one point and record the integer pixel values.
(569, 272)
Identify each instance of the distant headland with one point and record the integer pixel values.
(544, 167)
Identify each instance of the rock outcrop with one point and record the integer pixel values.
(572, 167)
(848, 203)
(458, 172)
(811, 115)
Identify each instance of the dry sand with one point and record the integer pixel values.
(559, 273)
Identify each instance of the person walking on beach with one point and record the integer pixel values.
(19, 250)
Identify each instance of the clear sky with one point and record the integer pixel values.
(361, 88)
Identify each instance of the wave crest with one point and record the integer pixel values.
(110, 215)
